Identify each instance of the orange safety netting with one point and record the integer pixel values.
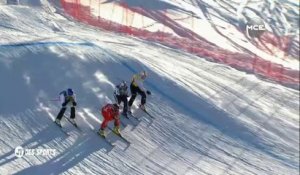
(185, 39)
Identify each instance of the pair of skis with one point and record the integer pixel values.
(145, 111)
(74, 124)
(103, 137)
(132, 119)
(62, 129)
(150, 115)
(108, 141)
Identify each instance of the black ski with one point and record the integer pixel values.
(74, 124)
(62, 129)
(132, 122)
(104, 138)
(119, 135)
(136, 118)
(151, 116)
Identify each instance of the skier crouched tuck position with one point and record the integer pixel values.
(110, 112)
(67, 97)
(137, 87)
(121, 94)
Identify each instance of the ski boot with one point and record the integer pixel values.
(129, 110)
(125, 114)
(101, 132)
(142, 107)
(57, 121)
(116, 130)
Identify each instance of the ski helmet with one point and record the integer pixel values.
(70, 91)
(123, 84)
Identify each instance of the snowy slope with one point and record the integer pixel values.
(210, 118)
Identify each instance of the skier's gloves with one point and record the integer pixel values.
(74, 103)
(148, 92)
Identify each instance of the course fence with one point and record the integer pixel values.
(156, 25)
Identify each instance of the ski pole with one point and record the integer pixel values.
(54, 99)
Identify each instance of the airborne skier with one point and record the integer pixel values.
(110, 112)
(67, 97)
(137, 87)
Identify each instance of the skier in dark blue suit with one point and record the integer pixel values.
(67, 98)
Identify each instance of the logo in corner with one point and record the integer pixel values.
(19, 151)
(255, 28)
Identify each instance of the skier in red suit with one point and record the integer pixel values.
(110, 112)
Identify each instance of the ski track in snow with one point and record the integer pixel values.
(210, 118)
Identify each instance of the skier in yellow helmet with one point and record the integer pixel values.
(137, 87)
